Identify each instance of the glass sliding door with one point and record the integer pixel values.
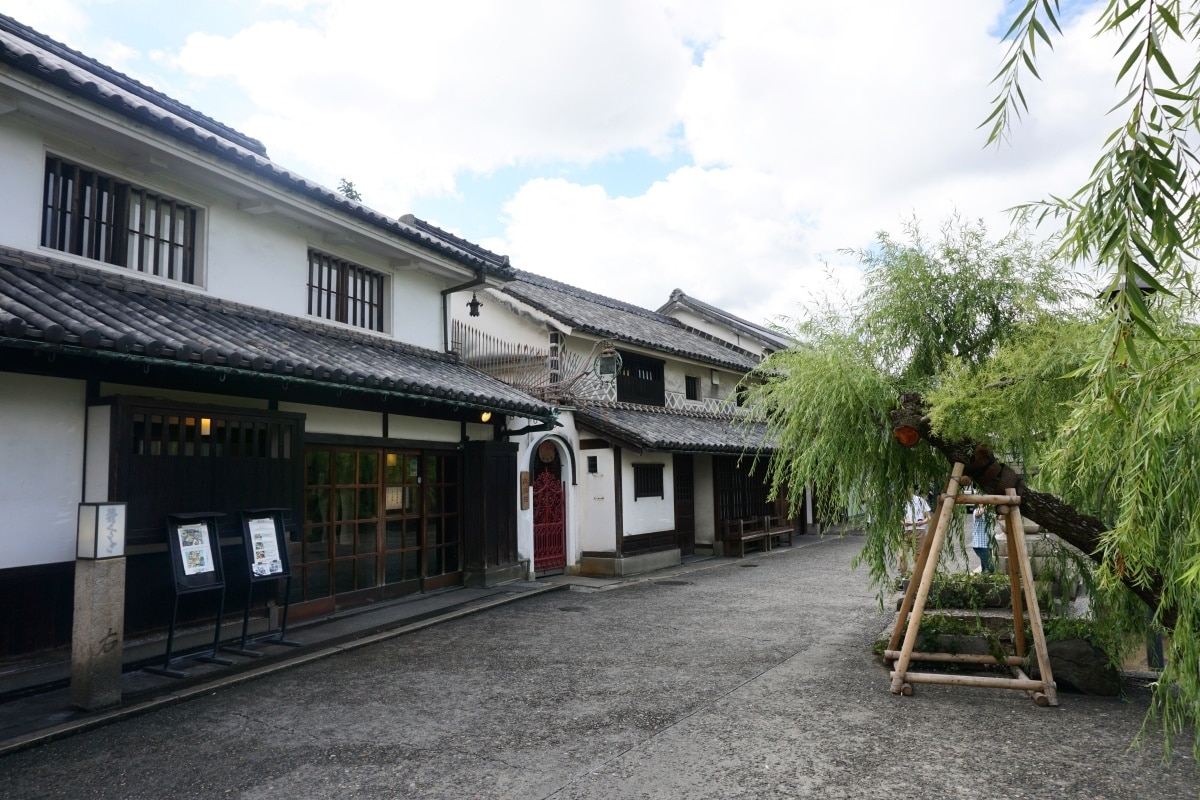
(379, 523)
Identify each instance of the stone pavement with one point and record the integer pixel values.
(722, 678)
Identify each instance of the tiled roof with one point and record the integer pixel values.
(624, 322)
(772, 338)
(651, 428)
(24, 49)
(107, 314)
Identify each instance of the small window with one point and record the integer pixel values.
(647, 480)
(692, 387)
(593, 467)
(344, 292)
(90, 214)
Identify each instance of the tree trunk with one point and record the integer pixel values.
(1083, 531)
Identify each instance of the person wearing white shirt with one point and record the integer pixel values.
(916, 524)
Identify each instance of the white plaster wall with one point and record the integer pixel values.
(416, 306)
(722, 332)
(429, 430)
(498, 319)
(648, 514)
(42, 422)
(694, 320)
(256, 259)
(705, 499)
(22, 162)
(98, 453)
(341, 421)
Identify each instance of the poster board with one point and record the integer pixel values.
(195, 546)
(266, 544)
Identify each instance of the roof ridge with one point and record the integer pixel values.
(674, 412)
(679, 296)
(465, 244)
(595, 297)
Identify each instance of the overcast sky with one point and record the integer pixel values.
(631, 147)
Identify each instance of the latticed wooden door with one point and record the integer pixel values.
(549, 523)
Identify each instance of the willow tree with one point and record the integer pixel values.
(1101, 399)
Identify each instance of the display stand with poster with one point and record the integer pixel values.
(195, 549)
(267, 560)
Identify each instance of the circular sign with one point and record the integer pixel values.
(546, 452)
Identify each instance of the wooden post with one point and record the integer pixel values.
(1035, 612)
(1014, 578)
(929, 567)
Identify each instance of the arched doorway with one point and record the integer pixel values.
(549, 511)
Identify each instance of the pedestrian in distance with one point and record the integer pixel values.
(916, 523)
(981, 535)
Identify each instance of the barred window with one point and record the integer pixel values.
(90, 214)
(641, 380)
(647, 480)
(344, 292)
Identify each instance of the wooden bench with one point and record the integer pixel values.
(740, 531)
(778, 528)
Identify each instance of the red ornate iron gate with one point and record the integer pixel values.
(549, 523)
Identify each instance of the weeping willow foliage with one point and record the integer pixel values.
(931, 308)
(1019, 398)
(1124, 449)
(1134, 460)
(829, 402)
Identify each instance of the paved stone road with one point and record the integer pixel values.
(738, 679)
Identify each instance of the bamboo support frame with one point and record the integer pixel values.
(1020, 575)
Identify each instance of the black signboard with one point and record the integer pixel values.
(195, 545)
(266, 544)
(195, 552)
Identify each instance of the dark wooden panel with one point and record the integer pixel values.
(38, 606)
(490, 504)
(162, 465)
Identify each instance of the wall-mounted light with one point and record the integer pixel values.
(486, 416)
(474, 304)
(100, 531)
(608, 363)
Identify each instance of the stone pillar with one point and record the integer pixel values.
(97, 633)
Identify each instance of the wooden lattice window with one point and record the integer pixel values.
(647, 480)
(344, 292)
(90, 214)
(641, 380)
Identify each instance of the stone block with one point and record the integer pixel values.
(97, 633)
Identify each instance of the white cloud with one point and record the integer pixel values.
(409, 95)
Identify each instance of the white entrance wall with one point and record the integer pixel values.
(42, 423)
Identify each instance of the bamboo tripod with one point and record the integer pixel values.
(1020, 577)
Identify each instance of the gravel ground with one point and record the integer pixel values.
(735, 678)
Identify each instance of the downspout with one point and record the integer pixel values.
(478, 281)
